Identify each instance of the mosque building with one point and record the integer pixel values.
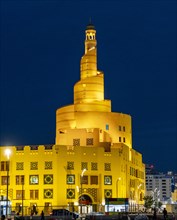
(91, 162)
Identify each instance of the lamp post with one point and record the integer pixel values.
(81, 182)
(138, 195)
(117, 184)
(22, 179)
(7, 153)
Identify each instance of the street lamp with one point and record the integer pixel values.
(138, 195)
(22, 179)
(117, 183)
(7, 153)
(81, 182)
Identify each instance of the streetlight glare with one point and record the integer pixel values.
(83, 171)
(7, 153)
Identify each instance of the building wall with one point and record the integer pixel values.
(67, 160)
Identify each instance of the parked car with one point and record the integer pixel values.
(64, 213)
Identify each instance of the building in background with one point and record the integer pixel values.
(161, 185)
(91, 161)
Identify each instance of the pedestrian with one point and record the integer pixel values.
(42, 215)
(155, 214)
(2, 217)
(165, 213)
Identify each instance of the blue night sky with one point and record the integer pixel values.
(41, 46)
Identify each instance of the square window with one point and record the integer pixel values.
(70, 179)
(107, 180)
(48, 193)
(107, 166)
(19, 166)
(48, 165)
(34, 165)
(94, 180)
(48, 179)
(84, 165)
(76, 142)
(107, 127)
(70, 165)
(70, 193)
(89, 141)
(94, 166)
(33, 179)
(108, 193)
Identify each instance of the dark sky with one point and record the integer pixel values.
(41, 46)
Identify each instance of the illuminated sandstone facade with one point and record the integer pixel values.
(90, 140)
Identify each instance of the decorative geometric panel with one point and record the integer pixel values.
(76, 142)
(89, 141)
(107, 166)
(94, 166)
(70, 179)
(48, 165)
(34, 165)
(70, 165)
(48, 179)
(70, 193)
(107, 180)
(84, 165)
(48, 193)
(92, 192)
(108, 193)
(19, 166)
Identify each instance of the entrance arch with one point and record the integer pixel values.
(85, 200)
(85, 204)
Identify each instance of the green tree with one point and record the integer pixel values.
(148, 202)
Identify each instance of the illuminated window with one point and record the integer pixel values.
(70, 179)
(107, 180)
(34, 194)
(107, 166)
(4, 180)
(19, 166)
(19, 194)
(84, 165)
(20, 179)
(94, 180)
(33, 179)
(107, 127)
